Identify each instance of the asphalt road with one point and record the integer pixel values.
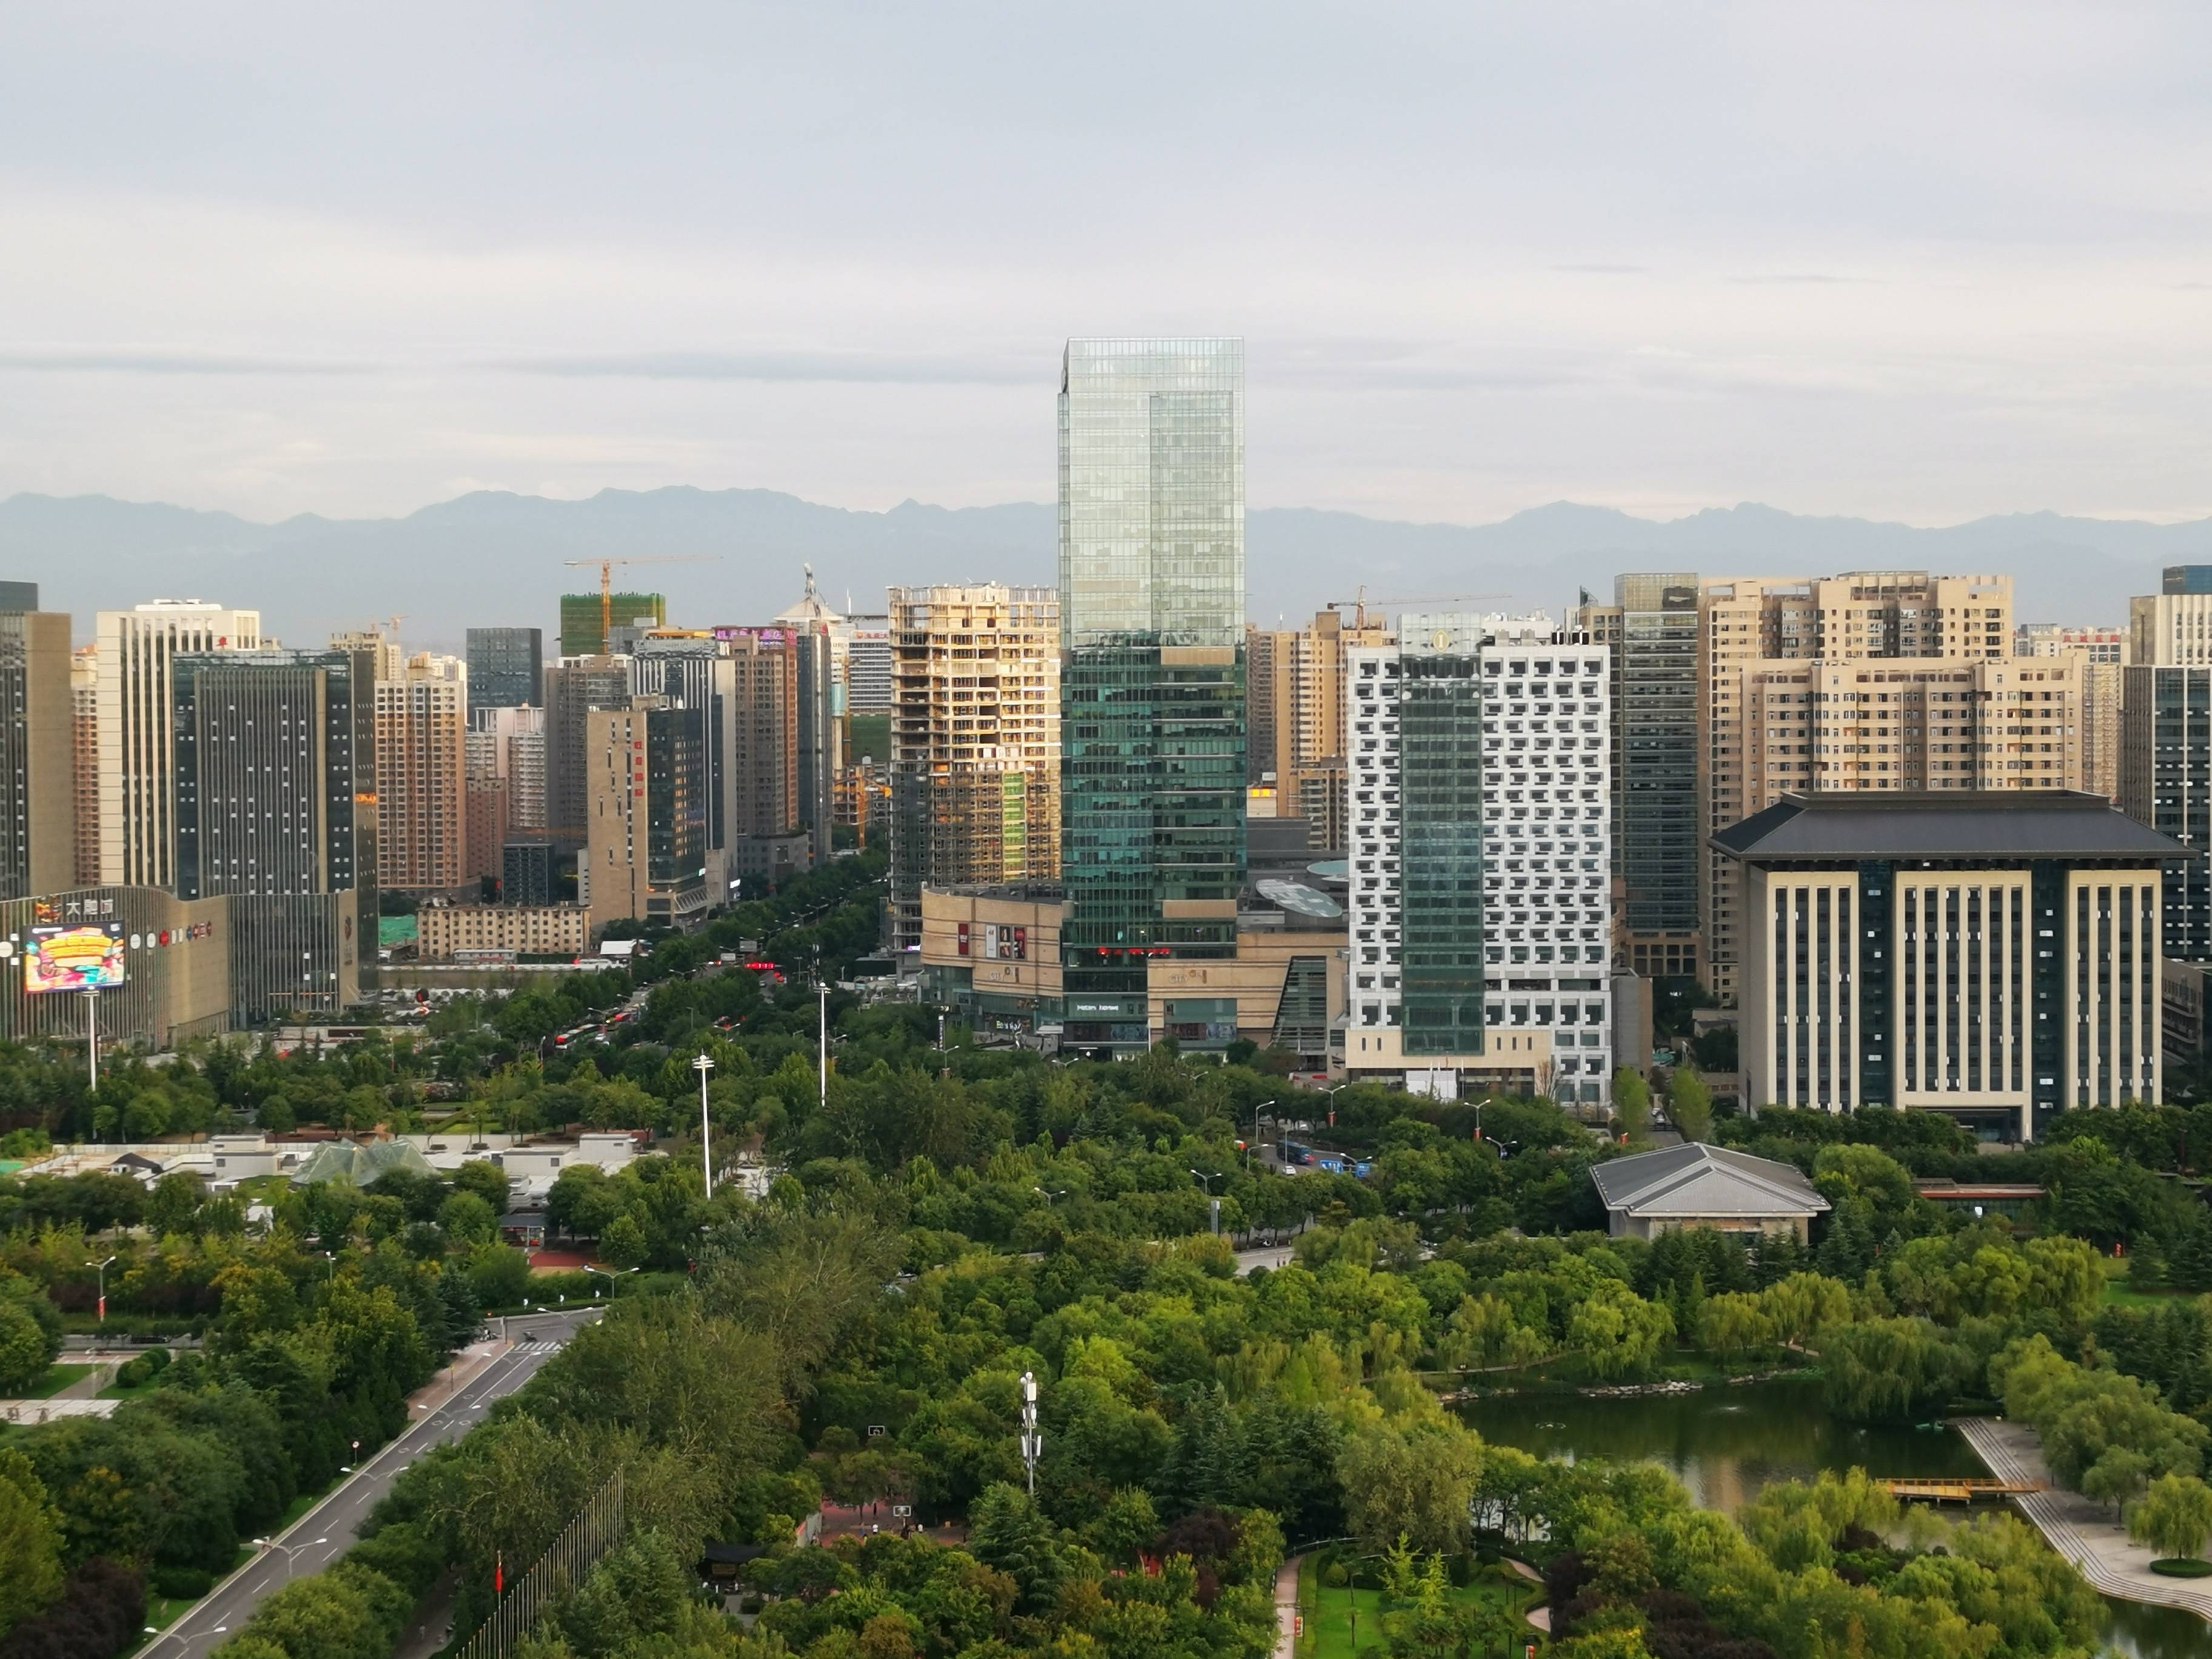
(326, 1531)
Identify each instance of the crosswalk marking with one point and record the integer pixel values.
(537, 1347)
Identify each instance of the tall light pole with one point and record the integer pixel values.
(92, 1035)
(1032, 1436)
(101, 1267)
(702, 1065)
(821, 1057)
(1213, 1203)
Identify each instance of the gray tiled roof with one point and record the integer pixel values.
(1696, 1180)
(2043, 823)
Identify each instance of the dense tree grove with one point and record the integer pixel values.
(949, 1219)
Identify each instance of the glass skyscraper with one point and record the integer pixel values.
(1151, 605)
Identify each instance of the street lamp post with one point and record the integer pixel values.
(1213, 1203)
(92, 1035)
(822, 1056)
(702, 1065)
(604, 1273)
(289, 1550)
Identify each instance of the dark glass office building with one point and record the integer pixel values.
(1151, 605)
(506, 667)
(2165, 782)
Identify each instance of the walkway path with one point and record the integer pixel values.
(2080, 1529)
(1286, 1608)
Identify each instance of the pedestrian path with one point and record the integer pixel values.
(1286, 1608)
(47, 1411)
(2078, 1528)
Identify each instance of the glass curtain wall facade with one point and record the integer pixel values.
(2166, 782)
(1152, 729)
(1440, 852)
(1655, 710)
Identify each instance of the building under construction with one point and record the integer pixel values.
(975, 741)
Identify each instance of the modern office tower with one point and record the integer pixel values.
(645, 857)
(974, 758)
(2173, 628)
(38, 773)
(585, 620)
(529, 871)
(868, 666)
(84, 756)
(1652, 630)
(1295, 714)
(695, 670)
(138, 834)
(506, 667)
(574, 687)
(1152, 612)
(2166, 784)
(422, 729)
(266, 776)
(2096, 643)
(1481, 897)
(1869, 613)
(1921, 951)
(768, 842)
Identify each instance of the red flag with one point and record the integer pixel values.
(103, 1311)
(498, 1572)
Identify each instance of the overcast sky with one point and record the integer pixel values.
(1912, 262)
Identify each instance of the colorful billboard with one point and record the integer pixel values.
(73, 959)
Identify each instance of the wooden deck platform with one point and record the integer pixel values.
(1957, 1489)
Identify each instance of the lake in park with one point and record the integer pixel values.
(1725, 1443)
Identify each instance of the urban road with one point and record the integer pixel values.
(444, 1411)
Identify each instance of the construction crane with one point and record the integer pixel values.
(1359, 602)
(607, 580)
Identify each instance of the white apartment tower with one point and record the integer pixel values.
(134, 724)
(1480, 758)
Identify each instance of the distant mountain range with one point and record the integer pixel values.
(492, 558)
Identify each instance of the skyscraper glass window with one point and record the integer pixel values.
(1151, 584)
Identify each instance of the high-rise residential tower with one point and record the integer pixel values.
(421, 730)
(574, 687)
(84, 759)
(645, 857)
(1295, 713)
(1480, 904)
(138, 829)
(1152, 607)
(506, 667)
(975, 741)
(1747, 622)
(37, 784)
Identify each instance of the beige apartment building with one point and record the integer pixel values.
(444, 930)
(975, 770)
(421, 737)
(1295, 713)
(646, 801)
(1748, 624)
(84, 755)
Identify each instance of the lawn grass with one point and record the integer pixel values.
(57, 1378)
(2119, 1294)
(1329, 1621)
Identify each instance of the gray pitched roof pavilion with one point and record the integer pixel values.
(2030, 824)
(1693, 1185)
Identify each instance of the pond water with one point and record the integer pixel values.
(1726, 1443)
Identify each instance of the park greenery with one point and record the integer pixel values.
(948, 1218)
